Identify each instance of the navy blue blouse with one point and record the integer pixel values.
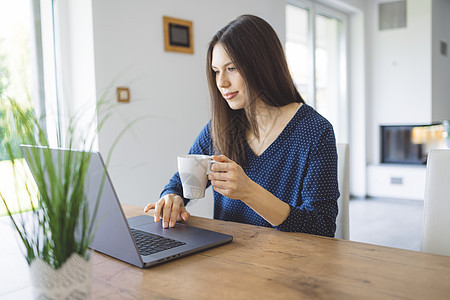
(299, 168)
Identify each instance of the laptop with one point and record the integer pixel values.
(138, 240)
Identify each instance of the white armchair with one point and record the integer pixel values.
(436, 221)
(342, 220)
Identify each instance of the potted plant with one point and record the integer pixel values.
(57, 231)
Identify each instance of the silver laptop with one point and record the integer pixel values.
(138, 240)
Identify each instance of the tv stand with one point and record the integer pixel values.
(396, 181)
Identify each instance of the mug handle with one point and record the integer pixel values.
(210, 163)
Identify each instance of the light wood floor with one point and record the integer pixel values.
(388, 222)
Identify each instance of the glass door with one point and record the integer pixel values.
(316, 54)
(297, 48)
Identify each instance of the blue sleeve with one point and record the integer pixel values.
(318, 210)
(202, 145)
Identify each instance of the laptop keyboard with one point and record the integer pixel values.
(148, 243)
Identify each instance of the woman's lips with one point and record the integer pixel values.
(230, 96)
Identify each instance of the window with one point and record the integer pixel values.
(316, 54)
(15, 80)
(38, 40)
(22, 78)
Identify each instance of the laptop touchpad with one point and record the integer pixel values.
(140, 220)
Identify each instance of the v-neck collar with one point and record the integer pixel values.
(286, 131)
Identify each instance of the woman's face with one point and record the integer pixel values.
(228, 79)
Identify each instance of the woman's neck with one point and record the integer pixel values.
(267, 115)
(270, 121)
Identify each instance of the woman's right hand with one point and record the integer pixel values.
(170, 208)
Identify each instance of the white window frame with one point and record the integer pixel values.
(50, 103)
(67, 82)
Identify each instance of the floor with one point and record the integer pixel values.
(388, 222)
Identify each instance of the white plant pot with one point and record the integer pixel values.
(71, 281)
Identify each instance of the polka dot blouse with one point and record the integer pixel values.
(299, 168)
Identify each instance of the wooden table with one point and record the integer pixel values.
(260, 263)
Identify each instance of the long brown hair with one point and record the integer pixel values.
(257, 53)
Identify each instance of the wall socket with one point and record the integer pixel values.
(443, 48)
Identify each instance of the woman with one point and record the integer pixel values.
(278, 162)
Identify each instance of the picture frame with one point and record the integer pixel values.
(178, 35)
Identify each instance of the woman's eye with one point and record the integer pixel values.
(231, 69)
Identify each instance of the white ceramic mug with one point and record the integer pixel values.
(194, 170)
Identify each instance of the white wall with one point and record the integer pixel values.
(357, 113)
(398, 76)
(357, 110)
(400, 72)
(440, 63)
(171, 87)
(355, 9)
(408, 78)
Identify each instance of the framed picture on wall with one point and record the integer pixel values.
(178, 36)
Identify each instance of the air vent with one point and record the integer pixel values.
(392, 15)
(397, 180)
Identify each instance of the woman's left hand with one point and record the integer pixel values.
(228, 178)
